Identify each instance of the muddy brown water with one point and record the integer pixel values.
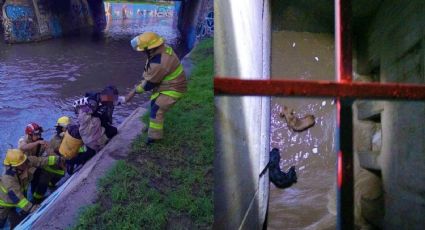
(40, 81)
(310, 203)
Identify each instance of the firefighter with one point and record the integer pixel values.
(50, 175)
(163, 75)
(33, 144)
(14, 182)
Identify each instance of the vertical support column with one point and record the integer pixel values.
(343, 53)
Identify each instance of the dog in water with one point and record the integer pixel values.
(277, 177)
(295, 123)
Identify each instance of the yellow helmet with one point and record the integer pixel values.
(14, 157)
(147, 40)
(63, 121)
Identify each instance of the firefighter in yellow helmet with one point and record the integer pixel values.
(50, 175)
(14, 183)
(163, 75)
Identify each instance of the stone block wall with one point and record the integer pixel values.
(393, 49)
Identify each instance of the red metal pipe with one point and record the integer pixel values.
(361, 90)
(343, 68)
(343, 45)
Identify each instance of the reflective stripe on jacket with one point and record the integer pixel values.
(12, 185)
(53, 150)
(165, 69)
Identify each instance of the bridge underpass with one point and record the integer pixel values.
(36, 20)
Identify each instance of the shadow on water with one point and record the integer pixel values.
(39, 81)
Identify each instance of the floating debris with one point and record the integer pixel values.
(317, 58)
(293, 44)
(323, 103)
(314, 150)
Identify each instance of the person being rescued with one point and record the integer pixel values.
(50, 175)
(32, 144)
(94, 136)
(163, 75)
(18, 172)
(108, 99)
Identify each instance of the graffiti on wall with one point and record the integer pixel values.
(205, 27)
(77, 15)
(55, 27)
(18, 12)
(19, 23)
(117, 11)
(79, 10)
(198, 25)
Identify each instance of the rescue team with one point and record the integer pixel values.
(37, 165)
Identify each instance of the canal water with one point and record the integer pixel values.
(310, 203)
(39, 81)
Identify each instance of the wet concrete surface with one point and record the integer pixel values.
(310, 203)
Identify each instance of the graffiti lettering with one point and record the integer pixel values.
(119, 11)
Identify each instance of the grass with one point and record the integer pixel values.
(169, 183)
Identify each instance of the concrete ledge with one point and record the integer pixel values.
(369, 110)
(80, 190)
(369, 160)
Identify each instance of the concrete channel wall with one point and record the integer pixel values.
(392, 49)
(242, 124)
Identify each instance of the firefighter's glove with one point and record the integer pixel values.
(121, 100)
(139, 88)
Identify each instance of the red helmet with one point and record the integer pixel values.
(33, 128)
